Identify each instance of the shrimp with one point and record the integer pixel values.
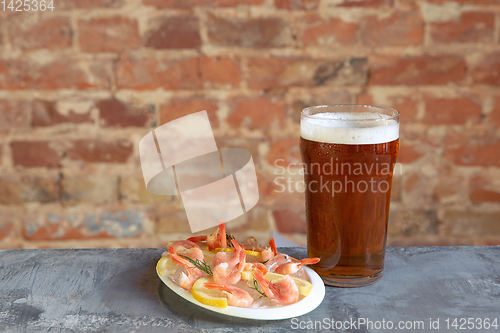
(269, 252)
(228, 267)
(284, 291)
(193, 250)
(255, 265)
(294, 266)
(235, 296)
(188, 277)
(215, 240)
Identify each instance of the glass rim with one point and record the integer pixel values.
(396, 115)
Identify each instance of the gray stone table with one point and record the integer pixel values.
(117, 290)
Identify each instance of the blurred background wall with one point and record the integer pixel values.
(82, 84)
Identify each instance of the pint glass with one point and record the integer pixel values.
(349, 153)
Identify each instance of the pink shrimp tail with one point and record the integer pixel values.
(308, 261)
(272, 244)
(197, 239)
(178, 259)
(220, 286)
(221, 237)
(240, 253)
(183, 243)
(261, 267)
(246, 247)
(264, 284)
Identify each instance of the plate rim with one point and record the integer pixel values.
(304, 306)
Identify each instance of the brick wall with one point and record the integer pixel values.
(81, 85)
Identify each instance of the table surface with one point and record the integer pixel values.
(117, 290)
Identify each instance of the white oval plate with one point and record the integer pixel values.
(306, 305)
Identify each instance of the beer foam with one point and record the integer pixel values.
(357, 128)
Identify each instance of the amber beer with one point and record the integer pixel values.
(349, 153)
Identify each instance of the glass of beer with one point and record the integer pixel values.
(348, 153)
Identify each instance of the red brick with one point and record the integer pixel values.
(115, 113)
(87, 4)
(64, 73)
(364, 3)
(472, 27)
(412, 222)
(250, 144)
(451, 111)
(423, 70)
(251, 33)
(177, 108)
(284, 149)
(257, 113)
(396, 189)
(366, 99)
(108, 34)
(482, 190)
(406, 105)
(472, 150)
(146, 73)
(425, 240)
(408, 154)
(411, 183)
(100, 152)
(269, 73)
(290, 219)
(176, 32)
(467, 2)
(487, 71)
(408, 5)
(45, 113)
(297, 4)
(89, 190)
(399, 29)
(7, 224)
(50, 33)
(17, 190)
(460, 222)
(494, 117)
(133, 190)
(14, 115)
(200, 3)
(320, 32)
(34, 154)
(220, 71)
(68, 225)
(450, 185)
(315, 97)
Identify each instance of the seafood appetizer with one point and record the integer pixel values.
(220, 271)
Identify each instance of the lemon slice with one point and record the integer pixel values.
(249, 252)
(208, 256)
(166, 266)
(212, 297)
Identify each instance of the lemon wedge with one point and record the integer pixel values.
(166, 266)
(249, 252)
(212, 297)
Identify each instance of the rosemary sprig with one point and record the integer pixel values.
(256, 287)
(201, 265)
(229, 238)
